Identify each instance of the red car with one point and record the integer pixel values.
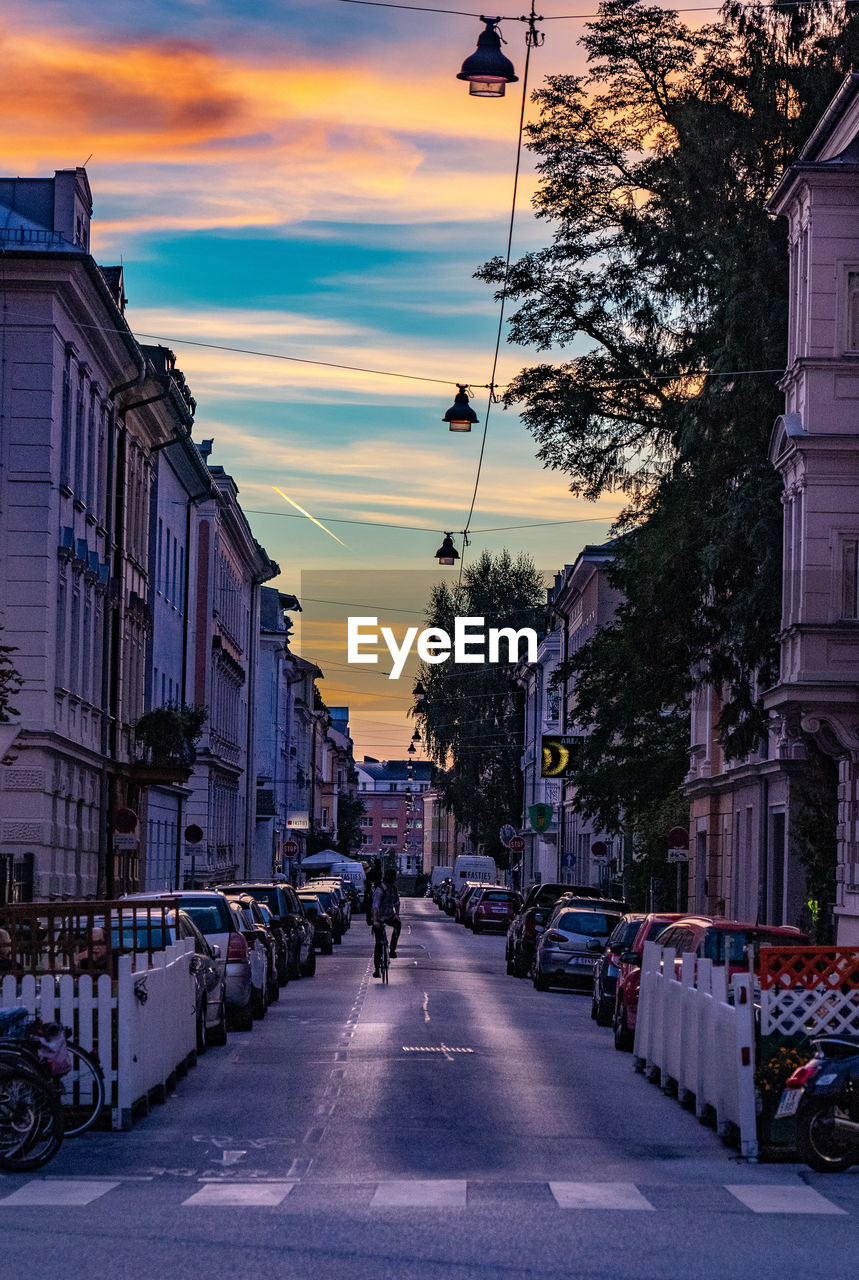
(629, 977)
(492, 908)
(711, 938)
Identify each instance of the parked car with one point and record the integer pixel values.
(342, 893)
(210, 912)
(323, 930)
(493, 908)
(569, 945)
(283, 903)
(331, 905)
(258, 951)
(463, 893)
(211, 1004)
(725, 941)
(527, 925)
(607, 966)
(447, 898)
(629, 977)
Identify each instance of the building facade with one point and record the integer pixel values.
(541, 858)
(392, 825)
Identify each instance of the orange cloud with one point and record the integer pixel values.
(237, 140)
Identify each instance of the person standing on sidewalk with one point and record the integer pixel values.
(386, 910)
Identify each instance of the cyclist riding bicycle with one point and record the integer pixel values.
(386, 910)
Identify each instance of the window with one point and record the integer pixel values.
(390, 822)
(388, 841)
(366, 819)
(850, 576)
(853, 310)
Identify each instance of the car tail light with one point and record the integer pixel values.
(799, 1079)
(554, 936)
(529, 929)
(237, 947)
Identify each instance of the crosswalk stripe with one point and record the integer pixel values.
(778, 1198)
(241, 1193)
(416, 1193)
(75, 1191)
(598, 1195)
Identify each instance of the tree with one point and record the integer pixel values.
(350, 810)
(666, 265)
(473, 719)
(10, 683)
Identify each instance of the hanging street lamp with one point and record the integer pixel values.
(460, 415)
(447, 552)
(416, 736)
(487, 71)
(411, 750)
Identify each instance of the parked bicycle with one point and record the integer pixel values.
(72, 1072)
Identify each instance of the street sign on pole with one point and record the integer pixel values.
(290, 849)
(516, 844)
(506, 834)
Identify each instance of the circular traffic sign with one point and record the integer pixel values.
(290, 848)
(599, 848)
(516, 845)
(125, 821)
(194, 834)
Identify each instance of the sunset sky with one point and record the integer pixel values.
(310, 179)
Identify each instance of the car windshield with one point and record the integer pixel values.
(656, 926)
(140, 938)
(498, 896)
(210, 916)
(266, 895)
(311, 900)
(590, 924)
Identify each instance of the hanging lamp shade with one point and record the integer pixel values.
(460, 415)
(416, 736)
(447, 552)
(411, 748)
(487, 70)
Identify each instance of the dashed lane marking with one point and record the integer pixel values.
(416, 1193)
(781, 1199)
(58, 1193)
(241, 1193)
(598, 1195)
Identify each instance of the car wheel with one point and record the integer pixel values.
(242, 1019)
(201, 1027)
(327, 947)
(283, 974)
(273, 990)
(511, 968)
(602, 1017)
(309, 968)
(623, 1037)
(593, 1009)
(218, 1033)
(540, 983)
(475, 928)
(258, 1002)
(819, 1145)
(338, 938)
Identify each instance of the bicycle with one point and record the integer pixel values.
(31, 1123)
(80, 1090)
(383, 960)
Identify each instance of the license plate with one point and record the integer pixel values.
(789, 1104)
(581, 960)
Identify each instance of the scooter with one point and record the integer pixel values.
(823, 1094)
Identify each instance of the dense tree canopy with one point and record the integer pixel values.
(666, 279)
(473, 714)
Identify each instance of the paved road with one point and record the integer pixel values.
(454, 1125)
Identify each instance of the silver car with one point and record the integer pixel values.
(210, 912)
(570, 945)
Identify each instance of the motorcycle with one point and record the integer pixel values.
(823, 1094)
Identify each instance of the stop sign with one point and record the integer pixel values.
(516, 845)
(290, 848)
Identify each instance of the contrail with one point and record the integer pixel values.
(309, 516)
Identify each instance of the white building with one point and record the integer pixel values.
(230, 569)
(540, 859)
(80, 411)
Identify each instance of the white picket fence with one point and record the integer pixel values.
(142, 1026)
(691, 1036)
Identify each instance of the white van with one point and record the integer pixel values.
(439, 874)
(472, 866)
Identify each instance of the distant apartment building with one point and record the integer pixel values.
(443, 838)
(393, 822)
(230, 569)
(541, 857)
(581, 600)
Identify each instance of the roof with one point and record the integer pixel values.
(395, 770)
